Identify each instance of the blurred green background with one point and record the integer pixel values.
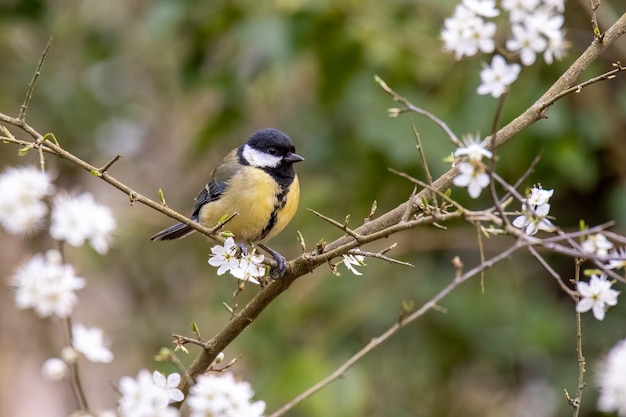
(174, 85)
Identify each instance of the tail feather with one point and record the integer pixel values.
(177, 231)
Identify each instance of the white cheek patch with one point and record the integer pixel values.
(260, 159)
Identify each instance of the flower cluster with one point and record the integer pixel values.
(535, 211)
(472, 171)
(47, 285)
(149, 395)
(612, 381)
(23, 208)
(222, 396)
(467, 31)
(536, 27)
(247, 267)
(599, 245)
(596, 295)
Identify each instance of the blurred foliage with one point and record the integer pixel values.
(174, 85)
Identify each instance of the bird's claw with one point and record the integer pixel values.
(281, 268)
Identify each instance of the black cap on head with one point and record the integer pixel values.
(265, 138)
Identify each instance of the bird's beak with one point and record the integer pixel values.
(293, 157)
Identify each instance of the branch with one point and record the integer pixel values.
(45, 145)
(530, 116)
(377, 341)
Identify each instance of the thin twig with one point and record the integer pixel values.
(552, 272)
(77, 386)
(423, 160)
(379, 255)
(578, 88)
(575, 402)
(108, 165)
(338, 225)
(594, 19)
(427, 187)
(410, 106)
(179, 338)
(31, 86)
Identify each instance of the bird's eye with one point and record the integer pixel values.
(272, 150)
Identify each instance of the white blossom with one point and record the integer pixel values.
(474, 179)
(596, 295)
(141, 397)
(538, 196)
(486, 8)
(519, 9)
(249, 268)
(76, 219)
(69, 354)
(224, 258)
(169, 392)
(535, 211)
(22, 190)
(545, 22)
(597, 244)
(47, 285)
(222, 396)
(54, 369)
(612, 381)
(534, 220)
(246, 274)
(616, 259)
(90, 342)
(556, 48)
(352, 260)
(466, 33)
(527, 41)
(557, 5)
(473, 149)
(497, 76)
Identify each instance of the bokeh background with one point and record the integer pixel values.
(174, 85)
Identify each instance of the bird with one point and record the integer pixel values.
(257, 180)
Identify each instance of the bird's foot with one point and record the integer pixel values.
(280, 260)
(243, 248)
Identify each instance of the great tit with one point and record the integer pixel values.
(256, 180)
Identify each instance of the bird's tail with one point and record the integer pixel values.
(177, 231)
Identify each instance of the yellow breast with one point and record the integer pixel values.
(264, 207)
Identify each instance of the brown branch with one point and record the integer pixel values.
(377, 341)
(530, 116)
(53, 148)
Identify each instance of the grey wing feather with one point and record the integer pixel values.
(211, 192)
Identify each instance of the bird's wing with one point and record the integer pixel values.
(211, 192)
(218, 183)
